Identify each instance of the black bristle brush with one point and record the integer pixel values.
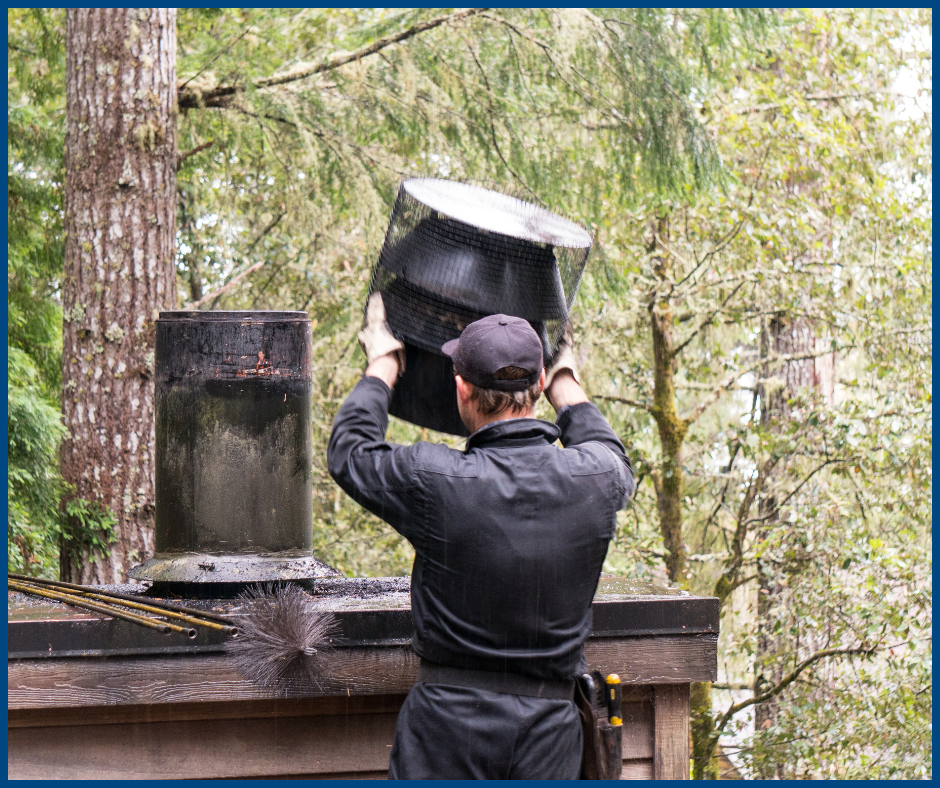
(282, 638)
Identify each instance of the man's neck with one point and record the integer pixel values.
(505, 415)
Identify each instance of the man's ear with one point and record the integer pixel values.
(542, 380)
(464, 389)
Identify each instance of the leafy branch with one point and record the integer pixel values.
(193, 152)
(730, 578)
(787, 680)
(492, 124)
(225, 288)
(191, 98)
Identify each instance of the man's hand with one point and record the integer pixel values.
(376, 337)
(562, 385)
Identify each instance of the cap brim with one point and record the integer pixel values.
(449, 348)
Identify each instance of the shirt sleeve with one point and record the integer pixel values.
(584, 423)
(376, 474)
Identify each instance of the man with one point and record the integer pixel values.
(509, 535)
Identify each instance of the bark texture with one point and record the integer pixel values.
(780, 336)
(667, 480)
(119, 266)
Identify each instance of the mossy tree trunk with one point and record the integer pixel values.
(668, 476)
(119, 268)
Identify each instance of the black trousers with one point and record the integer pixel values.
(454, 733)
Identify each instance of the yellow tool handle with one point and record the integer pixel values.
(614, 713)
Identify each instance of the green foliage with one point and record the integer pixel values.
(35, 192)
(35, 172)
(36, 528)
(821, 239)
(868, 718)
(35, 429)
(794, 181)
(86, 527)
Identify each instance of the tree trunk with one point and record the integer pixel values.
(702, 731)
(120, 220)
(779, 336)
(668, 480)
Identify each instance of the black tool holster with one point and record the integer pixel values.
(602, 758)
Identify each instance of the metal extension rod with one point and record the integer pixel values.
(188, 614)
(97, 607)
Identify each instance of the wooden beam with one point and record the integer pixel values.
(637, 770)
(210, 710)
(638, 738)
(161, 740)
(661, 659)
(391, 670)
(194, 749)
(671, 732)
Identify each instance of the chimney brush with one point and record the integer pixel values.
(282, 638)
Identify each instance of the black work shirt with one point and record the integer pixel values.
(509, 534)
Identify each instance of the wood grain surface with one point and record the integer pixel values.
(193, 716)
(202, 749)
(671, 732)
(638, 731)
(663, 659)
(49, 683)
(208, 710)
(637, 770)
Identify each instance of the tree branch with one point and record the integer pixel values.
(687, 386)
(822, 97)
(721, 501)
(810, 476)
(224, 288)
(734, 231)
(707, 320)
(788, 680)
(266, 116)
(265, 231)
(730, 576)
(489, 100)
(190, 98)
(228, 286)
(193, 152)
(624, 401)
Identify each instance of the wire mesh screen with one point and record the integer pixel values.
(454, 253)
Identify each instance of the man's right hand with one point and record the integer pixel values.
(376, 337)
(562, 385)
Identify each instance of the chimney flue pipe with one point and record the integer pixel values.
(234, 488)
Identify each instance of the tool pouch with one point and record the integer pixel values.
(602, 756)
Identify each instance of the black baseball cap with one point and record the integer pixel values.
(492, 343)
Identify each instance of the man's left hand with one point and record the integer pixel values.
(376, 337)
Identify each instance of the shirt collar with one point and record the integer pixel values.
(514, 432)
